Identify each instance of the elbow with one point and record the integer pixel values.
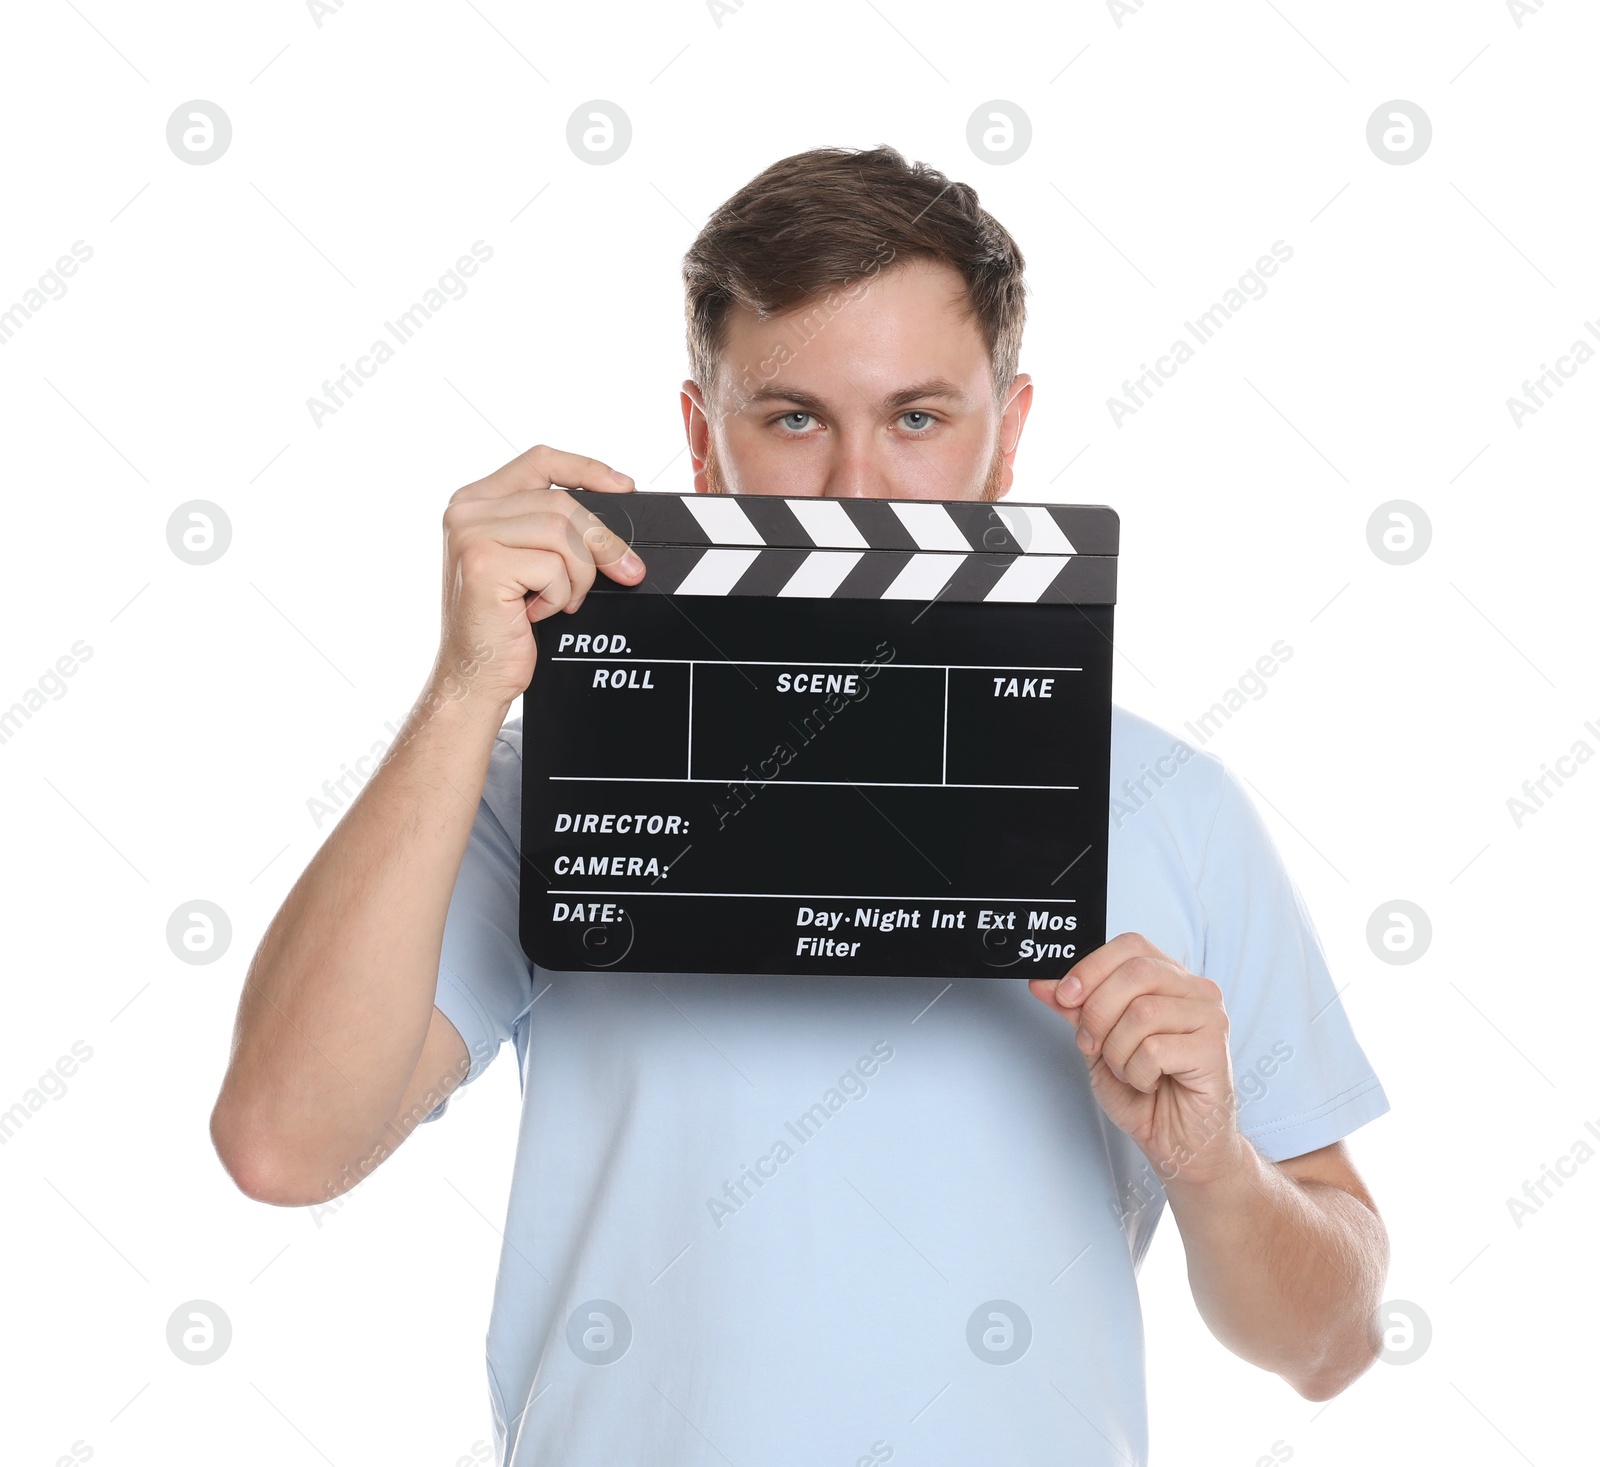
(1346, 1352)
(1329, 1377)
(1322, 1387)
(252, 1167)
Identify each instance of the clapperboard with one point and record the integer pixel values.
(825, 736)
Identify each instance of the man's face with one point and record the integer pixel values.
(882, 390)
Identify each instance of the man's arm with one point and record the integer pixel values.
(442, 1066)
(1287, 1263)
(338, 1000)
(337, 1042)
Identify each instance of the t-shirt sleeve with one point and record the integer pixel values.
(1301, 1078)
(485, 984)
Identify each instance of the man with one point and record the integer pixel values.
(772, 1221)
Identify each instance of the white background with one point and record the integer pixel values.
(1168, 153)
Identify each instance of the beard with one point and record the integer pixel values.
(715, 484)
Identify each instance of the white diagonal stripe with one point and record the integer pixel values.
(1027, 577)
(1035, 530)
(924, 577)
(716, 571)
(827, 523)
(821, 573)
(723, 520)
(930, 526)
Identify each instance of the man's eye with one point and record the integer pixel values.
(927, 419)
(788, 421)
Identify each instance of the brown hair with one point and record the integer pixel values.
(820, 219)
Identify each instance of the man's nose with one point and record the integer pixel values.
(856, 474)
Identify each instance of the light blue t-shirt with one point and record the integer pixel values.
(788, 1222)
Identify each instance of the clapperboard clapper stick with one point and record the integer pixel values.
(825, 736)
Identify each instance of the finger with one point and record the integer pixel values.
(1092, 969)
(585, 535)
(543, 574)
(540, 467)
(516, 574)
(1044, 989)
(1104, 1008)
(1047, 991)
(1178, 1055)
(1149, 1013)
(544, 529)
(603, 547)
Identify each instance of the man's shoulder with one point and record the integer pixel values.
(1166, 796)
(502, 784)
(1151, 763)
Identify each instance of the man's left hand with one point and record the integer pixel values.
(1155, 1038)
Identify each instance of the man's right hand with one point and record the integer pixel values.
(516, 550)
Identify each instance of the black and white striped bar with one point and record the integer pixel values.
(864, 549)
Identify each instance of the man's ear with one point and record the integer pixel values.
(1019, 398)
(697, 429)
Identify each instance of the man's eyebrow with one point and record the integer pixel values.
(934, 387)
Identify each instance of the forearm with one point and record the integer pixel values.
(339, 995)
(1287, 1274)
